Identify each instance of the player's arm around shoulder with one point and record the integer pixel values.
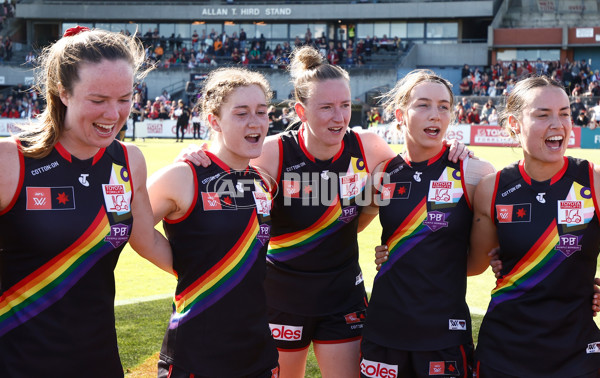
(475, 170)
(483, 232)
(10, 170)
(268, 161)
(145, 239)
(375, 147)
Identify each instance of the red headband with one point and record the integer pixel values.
(75, 30)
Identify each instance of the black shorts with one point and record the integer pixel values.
(167, 370)
(379, 361)
(295, 332)
(484, 371)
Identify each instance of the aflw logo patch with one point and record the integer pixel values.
(516, 213)
(457, 325)
(44, 198)
(593, 348)
(443, 368)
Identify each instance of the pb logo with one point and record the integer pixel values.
(285, 332)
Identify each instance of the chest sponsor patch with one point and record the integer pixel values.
(570, 212)
(447, 368)
(568, 244)
(348, 213)
(263, 202)
(50, 198)
(435, 220)
(349, 186)
(517, 213)
(115, 198)
(264, 233)
(119, 234)
(440, 191)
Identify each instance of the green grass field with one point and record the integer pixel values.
(143, 291)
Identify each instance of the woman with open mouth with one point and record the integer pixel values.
(543, 213)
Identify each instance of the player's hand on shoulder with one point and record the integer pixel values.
(381, 255)
(495, 262)
(195, 154)
(458, 150)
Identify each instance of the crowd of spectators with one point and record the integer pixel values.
(214, 48)
(20, 102)
(495, 82)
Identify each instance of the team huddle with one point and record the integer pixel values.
(261, 232)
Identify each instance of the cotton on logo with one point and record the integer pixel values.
(285, 332)
(378, 369)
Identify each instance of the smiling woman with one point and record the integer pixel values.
(543, 213)
(68, 182)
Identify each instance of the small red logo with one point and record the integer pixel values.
(211, 201)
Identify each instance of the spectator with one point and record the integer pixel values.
(465, 87)
(242, 39)
(582, 119)
(487, 110)
(30, 58)
(465, 72)
(576, 107)
(255, 55)
(158, 52)
(195, 38)
(492, 89)
(473, 115)
(460, 113)
(596, 115)
(493, 117)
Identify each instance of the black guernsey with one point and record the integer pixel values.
(312, 262)
(219, 324)
(539, 322)
(61, 238)
(418, 300)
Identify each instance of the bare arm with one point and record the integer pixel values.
(483, 233)
(9, 171)
(168, 200)
(145, 239)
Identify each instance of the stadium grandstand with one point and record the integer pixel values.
(488, 42)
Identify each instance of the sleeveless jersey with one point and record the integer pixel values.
(60, 241)
(539, 322)
(219, 324)
(418, 300)
(312, 262)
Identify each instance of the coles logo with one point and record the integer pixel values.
(285, 332)
(378, 369)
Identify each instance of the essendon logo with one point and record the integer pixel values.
(443, 368)
(378, 370)
(291, 189)
(516, 213)
(211, 201)
(285, 332)
(56, 198)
